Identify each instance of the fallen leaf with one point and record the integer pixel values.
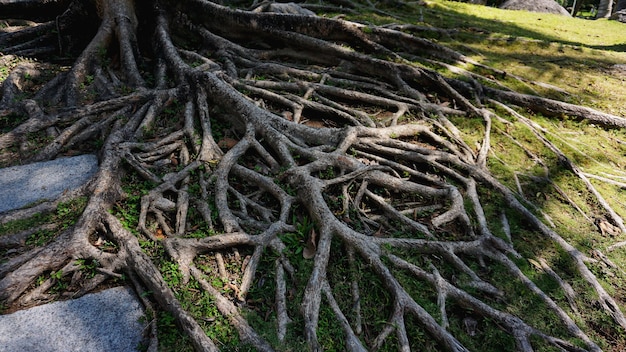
(99, 242)
(606, 228)
(158, 234)
(311, 245)
(227, 143)
(535, 263)
(314, 123)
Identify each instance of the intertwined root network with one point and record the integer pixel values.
(298, 145)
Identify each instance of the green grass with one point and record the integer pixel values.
(578, 56)
(574, 54)
(600, 34)
(66, 215)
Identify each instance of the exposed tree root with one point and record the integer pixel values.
(261, 125)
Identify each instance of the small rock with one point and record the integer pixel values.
(289, 8)
(470, 325)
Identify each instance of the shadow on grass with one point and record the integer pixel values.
(473, 28)
(615, 47)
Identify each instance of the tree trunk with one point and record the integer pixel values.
(605, 8)
(620, 11)
(576, 7)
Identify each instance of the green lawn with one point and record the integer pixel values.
(602, 34)
(575, 54)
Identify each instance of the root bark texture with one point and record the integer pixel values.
(303, 170)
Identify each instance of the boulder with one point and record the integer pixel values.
(546, 6)
(289, 8)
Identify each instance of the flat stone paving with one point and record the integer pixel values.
(107, 321)
(26, 184)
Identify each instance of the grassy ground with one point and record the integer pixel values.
(585, 58)
(579, 56)
(575, 54)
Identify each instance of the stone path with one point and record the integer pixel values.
(26, 184)
(107, 321)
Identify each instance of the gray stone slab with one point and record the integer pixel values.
(101, 322)
(26, 184)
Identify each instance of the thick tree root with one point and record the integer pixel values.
(265, 126)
